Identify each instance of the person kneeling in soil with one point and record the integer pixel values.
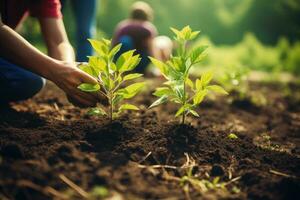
(22, 66)
(138, 33)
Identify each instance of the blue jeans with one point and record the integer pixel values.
(17, 83)
(85, 19)
(127, 44)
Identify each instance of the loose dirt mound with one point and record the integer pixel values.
(140, 156)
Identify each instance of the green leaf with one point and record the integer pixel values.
(216, 180)
(97, 64)
(128, 107)
(176, 100)
(132, 76)
(217, 88)
(186, 32)
(99, 192)
(174, 75)
(100, 47)
(105, 81)
(177, 33)
(115, 115)
(198, 85)
(194, 34)
(194, 113)
(187, 66)
(111, 84)
(177, 64)
(88, 69)
(190, 83)
(97, 111)
(93, 61)
(123, 60)
(133, 62)
(87, 87)
(117, 99)
(106, 42)
(199, 96)
(232, 136)
(161, 66)
(180, 111)
(179, 91)
(135, 87)
(206, 78)
(196, 54)
(131, 90)
(159, 101)
(161, 91)
(114, 50)
(113, 67)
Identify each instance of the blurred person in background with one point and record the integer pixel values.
(137, 32)
(162, 50)
(22, 66)
(163, 47)
(85, 21)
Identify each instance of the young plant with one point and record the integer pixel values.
(111, 76)
(192, 178)
(177, 71)
(232, 136)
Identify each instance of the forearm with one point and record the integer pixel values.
(56, 39)
(151, 47)
(65, 75)
(16, 49)
(63, 52)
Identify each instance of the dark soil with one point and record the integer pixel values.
(46, 138)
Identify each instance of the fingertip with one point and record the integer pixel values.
(86, 78)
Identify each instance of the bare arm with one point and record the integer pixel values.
(56, 39)
(151, 47)
(15, 48)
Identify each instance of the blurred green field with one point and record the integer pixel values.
(252, 54)
(260, 35)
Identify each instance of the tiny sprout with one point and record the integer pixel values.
(99, 192)
(177, 70)
(232, 136)
(236, 190)
(111, 76)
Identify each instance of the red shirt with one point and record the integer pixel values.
(13, 11)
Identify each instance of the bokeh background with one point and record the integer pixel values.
(256, 35)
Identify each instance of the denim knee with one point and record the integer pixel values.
(18, 83)
(32, 85)
(25, 87)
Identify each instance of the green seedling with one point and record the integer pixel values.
(264, 141)
(99, 192)
(232, 136)
(96, 193)
(177, 71)
(111, 76)
(201, 185)
(235, 78)
(74, 190)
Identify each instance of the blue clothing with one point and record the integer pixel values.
(128, 44)
(17, 83)
(85, 19)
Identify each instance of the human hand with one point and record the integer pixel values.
(67, 76)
